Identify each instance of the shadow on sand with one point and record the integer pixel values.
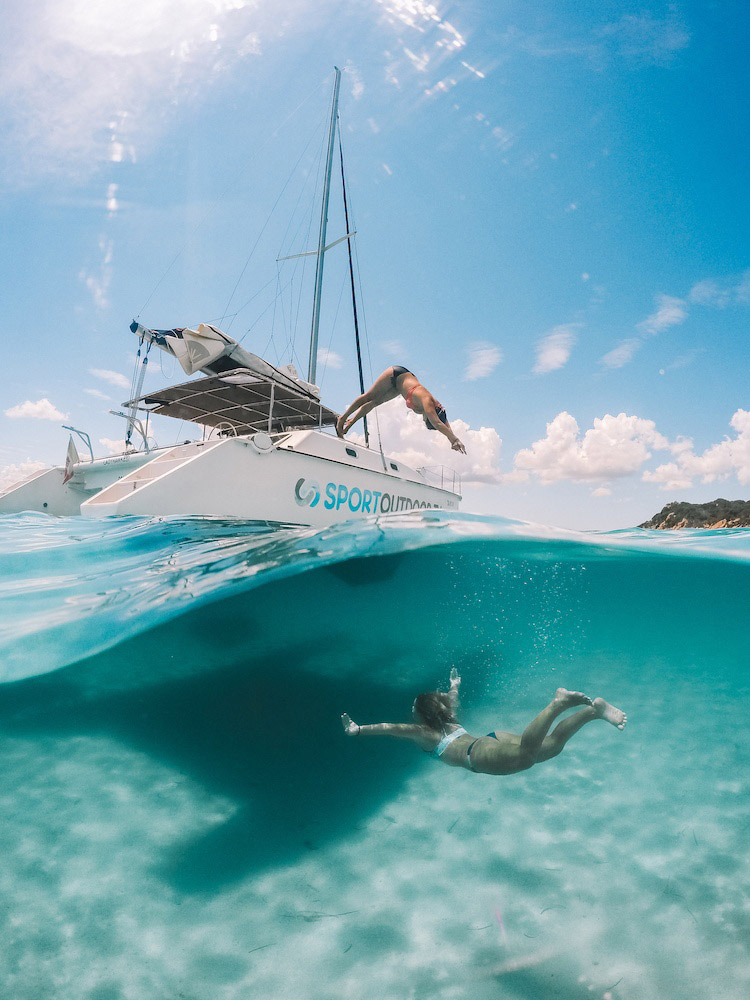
(265, 735)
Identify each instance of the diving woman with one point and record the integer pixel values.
(399, 381)
(436, 730)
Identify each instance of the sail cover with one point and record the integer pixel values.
(211, 351)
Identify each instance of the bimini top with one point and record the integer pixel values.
(239, 401)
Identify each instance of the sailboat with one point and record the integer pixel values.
(267, 454)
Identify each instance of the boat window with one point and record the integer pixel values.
(352, 452)
(394, 466)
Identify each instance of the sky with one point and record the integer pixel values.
(551, 212)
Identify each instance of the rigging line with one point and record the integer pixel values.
(303, 262)
(351, 277)
(333, 327)
(260, 317)
(273, 319)
(252, 297)
(280, 290)
(305, 186)
(358, 271)
(367, 346)
(363, 310)
(284, 327)
(288, 329)
(367, 340)
(292, 341)
(172, 263)
(265, 224)
(197, 225)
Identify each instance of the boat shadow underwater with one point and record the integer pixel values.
(268, 740)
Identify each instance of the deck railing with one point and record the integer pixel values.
(441, 476)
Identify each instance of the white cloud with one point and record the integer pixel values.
(601, 491)
(646, 38)
(358, 87)
(97, 394)
(42, 409)
(98, 283)
(406, 439)
(114, 378)
(12, 474)
(483, 360)
(742, 289)
(329, 359)
(112, 203)
(709, 293)
(621, 354)
(683, 360)
(553, 350)
(720, 294)
(113, 447)
(730, 456)
(670, 311)
(669, 477)
(681, 444)
(615, 446)
(393, 347)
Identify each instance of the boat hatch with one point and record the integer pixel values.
(239, 402)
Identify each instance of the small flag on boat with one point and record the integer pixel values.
(71, 459)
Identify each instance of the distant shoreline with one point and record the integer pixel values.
(713, 514)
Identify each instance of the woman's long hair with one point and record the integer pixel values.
(435, 709)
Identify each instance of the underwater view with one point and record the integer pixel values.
(184, 816)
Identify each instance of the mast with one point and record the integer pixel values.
(322, 236)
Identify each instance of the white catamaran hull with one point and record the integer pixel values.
(305, 478)
(48, 491)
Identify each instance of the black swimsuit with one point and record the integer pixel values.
(398, 371)
(493, 734)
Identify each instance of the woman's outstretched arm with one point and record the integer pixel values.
(445, 428)
(453, 690)
(402, 731)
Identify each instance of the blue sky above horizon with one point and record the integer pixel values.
(550, 200)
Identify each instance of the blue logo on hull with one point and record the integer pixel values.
(306, 492)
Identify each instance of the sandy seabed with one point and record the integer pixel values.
(617, 871)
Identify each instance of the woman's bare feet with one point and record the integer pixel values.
(340, 427)
(609, 713)
(571, 698)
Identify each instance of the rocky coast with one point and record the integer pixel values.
(713, 514)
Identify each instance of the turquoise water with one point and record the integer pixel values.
(184, 818)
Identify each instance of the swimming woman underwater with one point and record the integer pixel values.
(399, 381)
(436, 730)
